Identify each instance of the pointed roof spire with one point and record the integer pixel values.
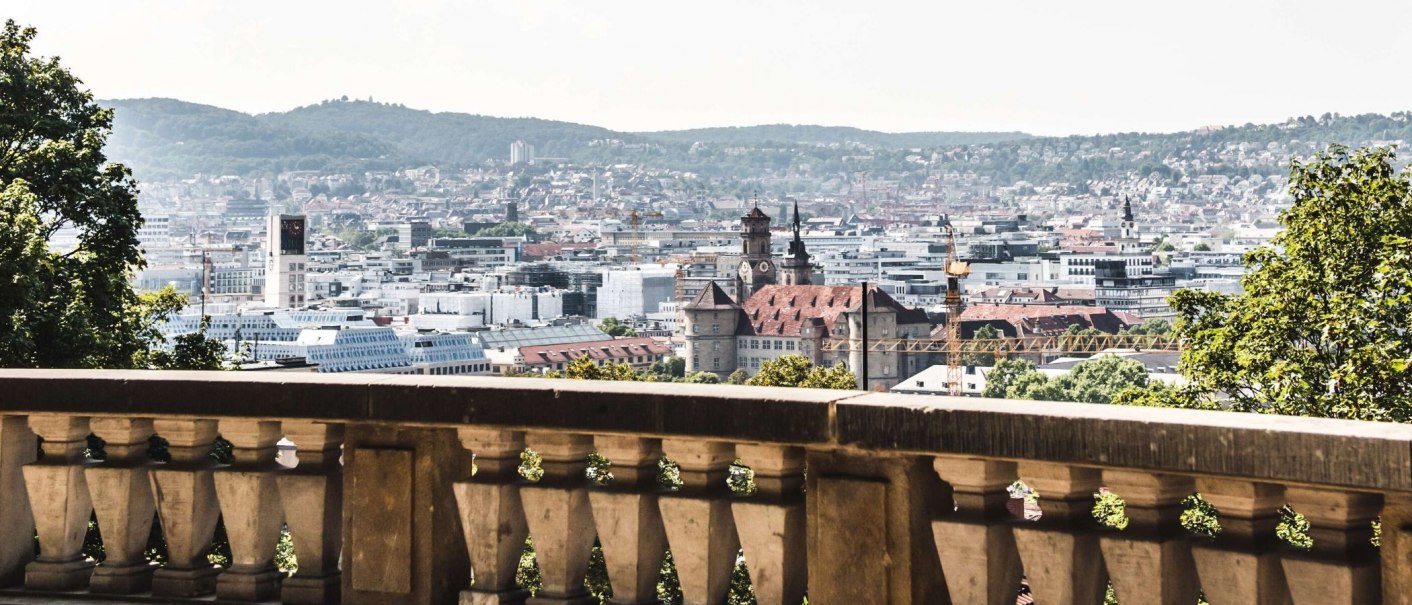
(1127, 209)
(796, 219)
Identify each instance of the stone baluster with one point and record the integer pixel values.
(185, 493)
(492, 517)
(58, 495)
(771, 523)
(312, 497)
(122, 500)
(700, 528)
(1242, 564)
(250, 505)
(974, 542)
(1342, 568)
(559, 516)
(1152, 557)
(18, 447)
(1060, 551)
(628, 520)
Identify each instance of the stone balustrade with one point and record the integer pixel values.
(411, 490)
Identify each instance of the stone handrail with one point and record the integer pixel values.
(862, 497)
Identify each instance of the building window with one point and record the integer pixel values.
(715, 363)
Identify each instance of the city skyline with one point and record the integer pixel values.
(1028, 66)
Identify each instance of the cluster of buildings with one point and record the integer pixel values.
(420, 271)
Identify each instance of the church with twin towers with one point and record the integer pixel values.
(778, 311)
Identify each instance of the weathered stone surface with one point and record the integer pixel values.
(975, 543)
(559, 515)
(122, 501)
(437, 567)
(870, 537)
(1152, 557)
(762, 414)
(1060, 552)
(380, 546)
(185, 495)
(312, 498)
(1242, 563)
(1342, 567)
(628, 520)
(18, 447)
(1371, 455)
(492, 515)
(58, 495)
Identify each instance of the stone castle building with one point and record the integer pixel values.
(783, 313)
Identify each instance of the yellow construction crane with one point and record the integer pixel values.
(956, 270)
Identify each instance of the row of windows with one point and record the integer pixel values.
(462, 369)
(757, 344)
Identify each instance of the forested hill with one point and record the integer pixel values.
(775, 134)
(164, 138)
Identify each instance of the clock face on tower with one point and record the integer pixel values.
(748, 271)
(291, 236)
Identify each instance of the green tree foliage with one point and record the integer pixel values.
(702, 378)
(1001, 377)
(1199, 517)
(1150, 326)
(1098, 380)
(1201, 247)
(668, 369)
(798, 371)
(739, 376)
(1293, 529)
(508, 230)
(1110, 510)
(1320, 329)
(64, 309)
(616, 328)
(985, 332)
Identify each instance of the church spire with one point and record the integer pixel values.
(1127, 209)
(796, 220)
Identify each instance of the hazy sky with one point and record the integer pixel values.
(1041, 66)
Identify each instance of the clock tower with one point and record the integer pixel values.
(285, 261)
(757, 264)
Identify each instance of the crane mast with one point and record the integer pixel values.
(955, 272)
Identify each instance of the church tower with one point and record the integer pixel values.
(795, 269)
(757, 266)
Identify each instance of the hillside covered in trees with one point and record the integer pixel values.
(164, 138)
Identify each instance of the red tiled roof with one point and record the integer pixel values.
(1045, 319)
(619, 349)
(784, 310)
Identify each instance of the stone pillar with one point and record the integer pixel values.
(772, 525)
(18, 447)
(1060, 552)
(700, 528)
(122, 500)
(1342, 568)
(58, 495)
(492, 516)
(559, 516)
(870, 528)
(250, 505)
(1242, 564)
(628, 521)
(1396, 549)
(312, 497)
(1152, 557)
(187, 508)
(977, 549)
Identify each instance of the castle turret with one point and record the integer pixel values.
(710, 322)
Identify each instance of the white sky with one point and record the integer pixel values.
(1041, 66)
